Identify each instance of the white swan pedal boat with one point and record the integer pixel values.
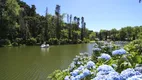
(44, 46)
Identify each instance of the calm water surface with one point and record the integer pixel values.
(35, 63)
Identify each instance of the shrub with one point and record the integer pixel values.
(69, 41)
(31, 41)
(79, 41)
(135, 46)
(135, 50)
(17, 42)
(53, 41)
(63, 41)
(86, 40)
(58, 75)
(4, 42)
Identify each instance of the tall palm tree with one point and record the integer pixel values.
(78, 22)
(67, 18)
(84, 29)
(70, 33)
(82, 21)
(58, 27)
(57, 10)
(75, 19)
(82, 26)
(46, 26)
(70, 19)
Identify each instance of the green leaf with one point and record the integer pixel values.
(137, 59)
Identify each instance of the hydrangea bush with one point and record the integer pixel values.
(107, 62)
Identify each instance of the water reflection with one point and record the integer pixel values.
(90, 47)
(44, 51)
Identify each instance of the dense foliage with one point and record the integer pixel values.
(124, 34)
(107, 62)
(20, 24)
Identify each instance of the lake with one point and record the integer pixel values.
(35, 63)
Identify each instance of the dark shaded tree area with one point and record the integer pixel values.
(20, 24)
(124, 34)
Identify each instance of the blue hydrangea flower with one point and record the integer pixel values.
(81, 68)
(100, 77)
(67, 78)
(103, 73)
(86, 72)
(129, 73)
(79, 77)
(113, 76)
(115, 52)
(96, 49)
(122, 51)
(105, 56)
(119, 52)
(72, 65)
(136, 77)
(75, 73)
(139, 68)
(72, 78)
(90, 64)
(105, 68)
(82, 76)
(78, 63)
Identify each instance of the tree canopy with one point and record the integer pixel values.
(21, 24)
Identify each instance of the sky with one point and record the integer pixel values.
(98, 14)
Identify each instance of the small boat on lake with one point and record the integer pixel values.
(44, 45)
